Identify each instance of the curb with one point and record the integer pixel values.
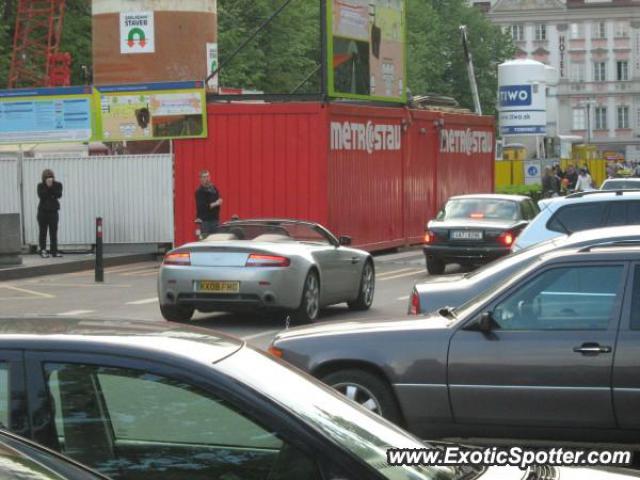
(70, 267)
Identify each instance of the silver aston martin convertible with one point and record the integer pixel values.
(269, 264)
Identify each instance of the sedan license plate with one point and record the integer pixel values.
(466, 235)
(217, 286)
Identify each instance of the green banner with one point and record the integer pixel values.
(367, 49)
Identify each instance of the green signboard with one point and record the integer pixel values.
(367, 49)
(153, 111)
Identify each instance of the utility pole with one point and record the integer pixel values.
(470, 71)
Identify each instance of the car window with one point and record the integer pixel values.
(535, 207)
(4, 395)
(566, 298)
(16, 466)
(620, 185)
(129, 423)
(575, 218)
(480, 209)
(633, 213)
(616, 214)
(635, 300)
(527, 213)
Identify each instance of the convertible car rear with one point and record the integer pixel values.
(287, 265)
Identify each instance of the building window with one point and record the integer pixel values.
(623, 70)
(622, 29)
(577, 30)
(601, 118)
(599, 30)
(623, 117)
(541, 31)
(579, 119)
(516, 32)
(577, 72)
(599, 72)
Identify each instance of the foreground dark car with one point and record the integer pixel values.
(455, 290)
(553, 354)
(472, 229)
(164, 402)
(21, 459)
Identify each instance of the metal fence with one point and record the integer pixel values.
(133, 194)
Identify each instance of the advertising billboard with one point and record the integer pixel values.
(45, 115)
(153, 111)
(522, 110)
(367, 49)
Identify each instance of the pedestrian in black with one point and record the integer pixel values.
(49, 193)
(208, 203)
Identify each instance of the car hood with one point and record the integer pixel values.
(474, 224)
(564, 473)
(431, 322)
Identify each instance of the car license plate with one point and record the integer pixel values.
(466, 235)
(216, 286)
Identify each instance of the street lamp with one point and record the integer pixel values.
(587, 104)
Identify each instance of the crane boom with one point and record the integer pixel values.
(470, 71)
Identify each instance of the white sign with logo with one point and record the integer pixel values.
(137, 34)
(367, 137)
(532, 172)
(212, 64)
(523, 109)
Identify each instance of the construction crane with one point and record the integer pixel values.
(36, 60)
(470, 72)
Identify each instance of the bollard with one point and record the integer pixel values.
(99, 263)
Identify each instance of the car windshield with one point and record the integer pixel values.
(488, 209)
(521, 256)
(359, 432)
(273, 231)
(621, 185)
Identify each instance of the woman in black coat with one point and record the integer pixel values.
(49, 193)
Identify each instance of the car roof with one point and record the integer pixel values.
(491, 196)
(152, 337)
(613, 252)
(622, 179)
(605, 232)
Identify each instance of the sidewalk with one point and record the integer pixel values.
(34, 265)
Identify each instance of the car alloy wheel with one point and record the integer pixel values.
(368, 284)
(359, 394)
(312, 297)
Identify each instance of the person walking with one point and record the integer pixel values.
(550, 183)
(585, 183)
(208, 203)
(49, 193)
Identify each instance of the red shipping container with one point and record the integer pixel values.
(374, 173)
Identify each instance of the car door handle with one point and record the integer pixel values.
(355, 259)
(592, 349)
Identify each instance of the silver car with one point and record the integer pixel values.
(454, 290)
(271, 264)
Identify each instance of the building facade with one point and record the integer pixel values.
(595, 46)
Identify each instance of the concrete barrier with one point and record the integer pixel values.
(10, 244)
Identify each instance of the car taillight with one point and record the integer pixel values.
(507, 238)
(276, 352)
(177, 258)
(414, 306)
(429, 237)
(260, 260)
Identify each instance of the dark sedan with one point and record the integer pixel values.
(552, 354)
(455, 290)
(141, 401)
(21, 459)
(473, 229)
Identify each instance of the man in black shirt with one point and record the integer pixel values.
(208, 203)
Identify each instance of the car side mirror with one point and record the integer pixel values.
(485, 323)
(344, 240)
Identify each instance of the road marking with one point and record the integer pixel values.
(408, 274)
(258, 335)
(117, 269)
(29, 292)
(392, 272)
(401, 299)
(79, 285)
(72, 313)
(140, 272)
(143, 301)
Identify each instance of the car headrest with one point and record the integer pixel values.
(272, 237)
(220, 237)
